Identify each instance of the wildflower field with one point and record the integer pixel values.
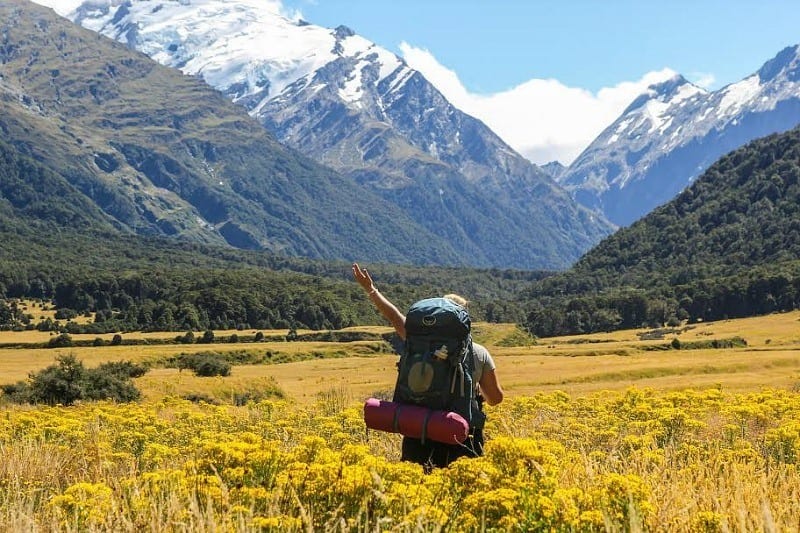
(620, 444)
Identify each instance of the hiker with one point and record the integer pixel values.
(430, 453)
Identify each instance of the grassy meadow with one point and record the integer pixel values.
(695, 428)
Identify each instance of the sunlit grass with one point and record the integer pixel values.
(577, 364)
(599, 433)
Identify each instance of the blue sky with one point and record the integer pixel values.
(582, 60)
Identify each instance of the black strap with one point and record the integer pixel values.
(396, 421)
(425, 425)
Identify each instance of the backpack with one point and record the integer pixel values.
(436, 364)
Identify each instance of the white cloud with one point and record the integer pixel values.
(706, 80)
(543, 119)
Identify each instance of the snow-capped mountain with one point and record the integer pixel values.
(360, 109)
(120, 143)
(673, 132)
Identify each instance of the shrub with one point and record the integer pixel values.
(69, 381)
(187, 338)
(199, 397)
(19, 392)
(204, 364)
(207, 366)
(123, 369)
(61, 383)
(99, 384)
(66, 314)
(62, 341)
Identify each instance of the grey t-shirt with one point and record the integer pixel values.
(483, 362)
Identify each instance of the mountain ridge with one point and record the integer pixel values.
(674, 131)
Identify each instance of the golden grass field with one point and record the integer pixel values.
(577, 365)
(598, 433)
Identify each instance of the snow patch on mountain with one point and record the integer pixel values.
(245, 48)
(737, 95)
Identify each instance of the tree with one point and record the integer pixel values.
(6, 316)
(69, 381)
(60, 383)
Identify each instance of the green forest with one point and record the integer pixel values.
(727, 246)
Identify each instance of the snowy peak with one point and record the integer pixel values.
(786, 64)
(652, 112)
(776, 81)
(247, 49)
(671, 91)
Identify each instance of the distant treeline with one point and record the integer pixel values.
(132, 284)
(200, 300)
(758, 291)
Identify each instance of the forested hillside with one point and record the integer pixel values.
(728, 246)
(59, 247)
(139, 283)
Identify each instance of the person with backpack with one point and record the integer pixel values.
(476, 368)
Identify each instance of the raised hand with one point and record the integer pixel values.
(363, 278)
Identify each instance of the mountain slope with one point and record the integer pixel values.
(360, 109)
(729, 245)
(163, 154)
(670, 134)
(59, 246)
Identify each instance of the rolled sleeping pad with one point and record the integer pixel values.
(415, 421)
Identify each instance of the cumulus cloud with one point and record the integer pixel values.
(543, 119)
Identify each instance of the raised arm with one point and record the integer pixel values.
(385, 307)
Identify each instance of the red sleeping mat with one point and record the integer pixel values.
(415, 421)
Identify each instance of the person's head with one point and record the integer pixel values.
(457, 299)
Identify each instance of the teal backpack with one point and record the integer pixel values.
(436, 364)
